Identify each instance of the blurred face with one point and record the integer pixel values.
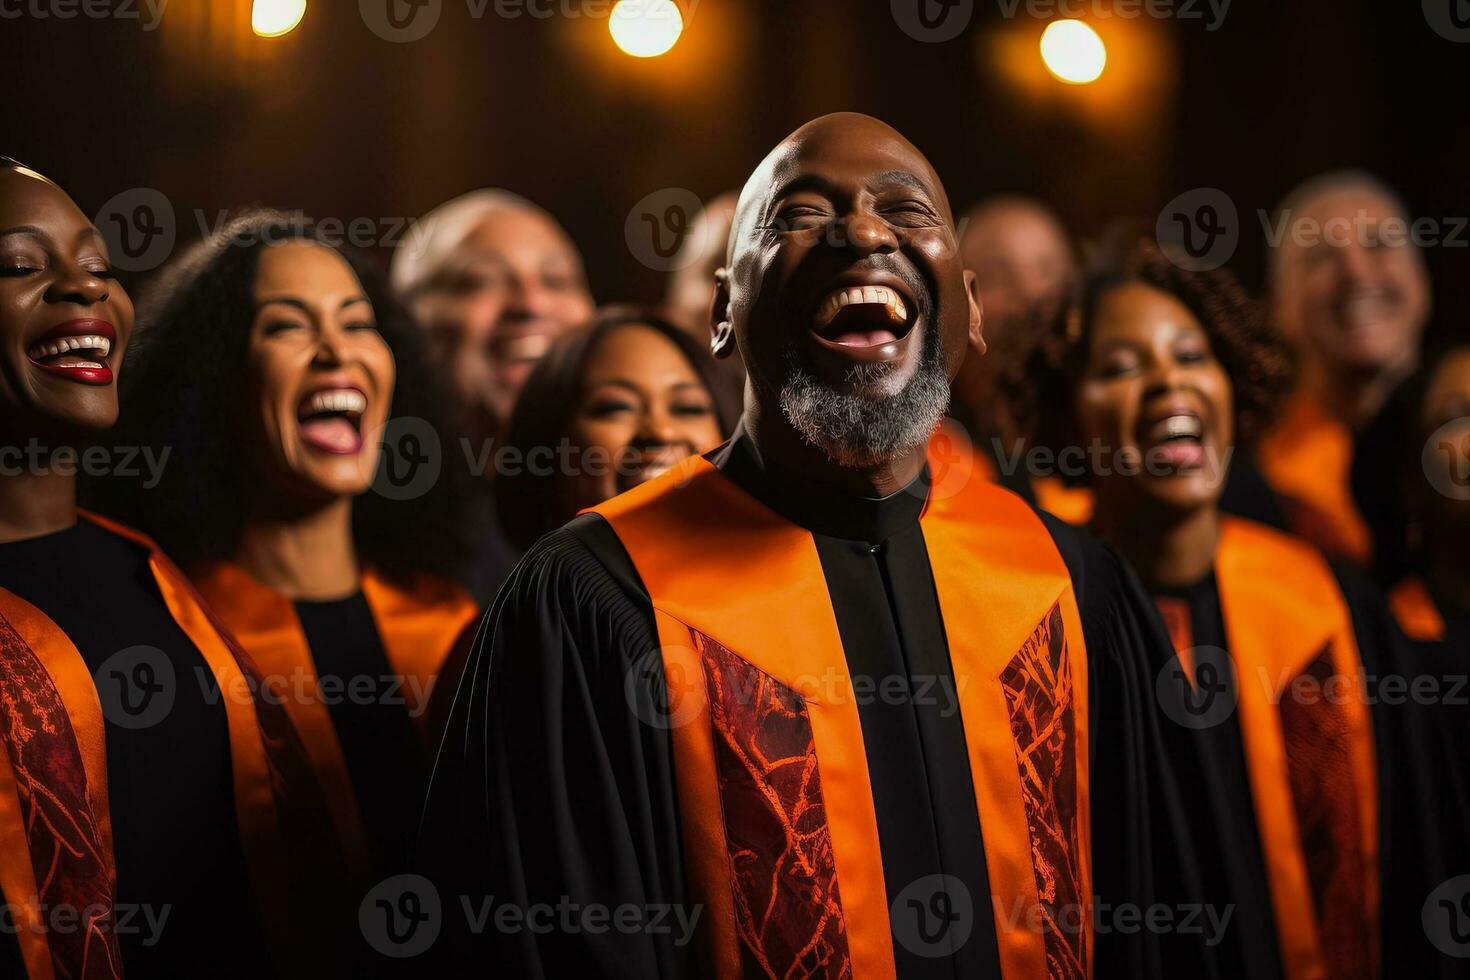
(1020, 258)
(64, 320)
(1154, 395)
(692, 285)
(1356, 294)
(514, 286)
(321, 375)
(1446, 419)
(643, 407)
(846, 292)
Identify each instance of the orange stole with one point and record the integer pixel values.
(252, 764)
(418, 627)
(1310, 758)
(738, 592)
(1307, 458)
(1414, 609)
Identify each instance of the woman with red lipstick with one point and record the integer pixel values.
(1156, 374)
(144, 792)
(627, 396)
(270, 364)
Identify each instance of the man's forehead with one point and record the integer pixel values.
(852, 159)
(1351, 202)
(845, 149)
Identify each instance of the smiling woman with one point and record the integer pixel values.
(611, 406)
(271, 366)
(129, 793)
(1155, 374)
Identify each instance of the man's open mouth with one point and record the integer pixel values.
(863, 317)
(77, 351)
(331, 420)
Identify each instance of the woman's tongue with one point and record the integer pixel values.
(1180, 454)
(332, 434)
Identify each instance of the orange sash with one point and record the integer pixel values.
(1307, 458)
(419, 628)
(1416, 612)
(756, 671)
(256, 778)
(1308, 745)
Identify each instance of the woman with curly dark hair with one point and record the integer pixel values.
(612, 405)
(1143, 389)
(271, 367)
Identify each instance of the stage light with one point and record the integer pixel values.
(273, 18)
(1073, 52)
(646, 28)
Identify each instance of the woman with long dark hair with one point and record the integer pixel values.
(612, 405)
(277, 373)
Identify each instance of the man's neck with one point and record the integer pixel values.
(782, 447)
(1353, 398)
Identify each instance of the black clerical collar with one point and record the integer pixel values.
(820, 507)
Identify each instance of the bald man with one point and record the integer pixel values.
(818, 703)
(1349, 287)
(494, 279)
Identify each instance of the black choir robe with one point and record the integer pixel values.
(567, 776)
(1422, 710)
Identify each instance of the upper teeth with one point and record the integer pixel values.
(90, 342)
(862, 294)
(338, 400)
(1182, 425)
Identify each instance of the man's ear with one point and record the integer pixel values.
(977, 313)
(722, 334)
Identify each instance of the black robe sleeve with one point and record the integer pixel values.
(550, 795)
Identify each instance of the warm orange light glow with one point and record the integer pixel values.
(646, 28)
(1073, 52)
(273, 18)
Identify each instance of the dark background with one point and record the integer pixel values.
(337, 122)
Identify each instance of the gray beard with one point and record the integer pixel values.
(876, 421)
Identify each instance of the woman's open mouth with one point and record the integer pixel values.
(1176, 440)
(77, 350)
(862, 319)
(330, 419)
